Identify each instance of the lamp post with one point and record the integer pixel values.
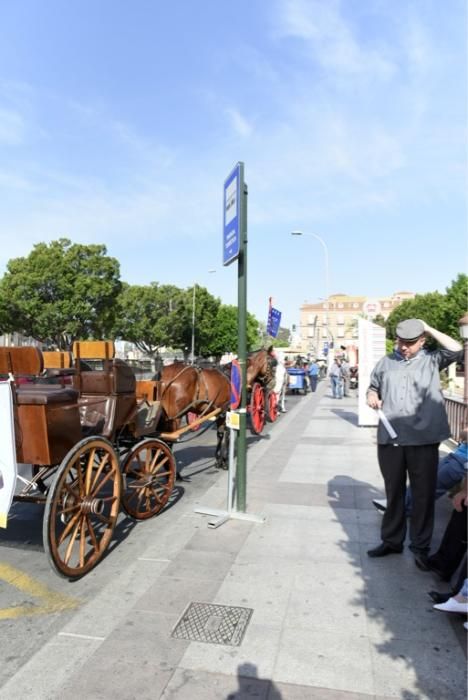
(194, 298)
(463, 324)
(327, 270)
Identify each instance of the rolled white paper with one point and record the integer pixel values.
(388, 426)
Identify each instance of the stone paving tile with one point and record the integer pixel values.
(291, 539)
(135, 661)
(228, 539)
(306, 512)
(194, 564)
(414, 623)
(328, 659)
(170, 595)
(267, 596)
(405, 669)
(120, 680)
(200, 685)
(288, 691)
(257, 652)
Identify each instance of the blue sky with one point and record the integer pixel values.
(120, 121)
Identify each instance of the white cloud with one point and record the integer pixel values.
(239, 123)
(12, 128)
(331, 39)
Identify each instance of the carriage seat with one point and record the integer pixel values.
(118, 378)
(107, 396)
(44, 394)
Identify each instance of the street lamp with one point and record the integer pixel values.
(463, 324)
(192, 351)
(327, 270)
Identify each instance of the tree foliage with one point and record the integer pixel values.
(151, 316)
(441, 311)
(202, 323)
(60, 292)
(226, 337)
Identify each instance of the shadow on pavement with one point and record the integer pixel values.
(399, 612)
(251, 686)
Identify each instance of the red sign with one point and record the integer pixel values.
(236, 384)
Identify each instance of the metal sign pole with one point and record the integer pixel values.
(241, 471)
(235, 246)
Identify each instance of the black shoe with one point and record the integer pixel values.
(439, 597)
(422, 561)
(435, 568)
(384, 550)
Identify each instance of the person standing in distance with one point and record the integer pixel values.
(313, 371)
(406, 386)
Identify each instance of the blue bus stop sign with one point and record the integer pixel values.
(232, 214)
(236, 384)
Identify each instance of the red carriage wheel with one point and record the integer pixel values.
(271, 405)
(257, 409)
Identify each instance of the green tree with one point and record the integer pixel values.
(206, 310)
(456, 305)
(151, 316)
(281, 340)
(60, 292)
(226, 337)
(441, 311)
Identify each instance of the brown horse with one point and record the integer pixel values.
(187, 388)
(260, 366)
(190, 389)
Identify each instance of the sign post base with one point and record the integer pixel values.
(222, 516)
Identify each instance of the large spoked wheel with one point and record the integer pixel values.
(271, 405)
(82, 507)
(148, 472)
(257, 409)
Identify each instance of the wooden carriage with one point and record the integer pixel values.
(91, 446)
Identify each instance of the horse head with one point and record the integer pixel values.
(260, 365)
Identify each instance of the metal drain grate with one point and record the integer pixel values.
(213, 624)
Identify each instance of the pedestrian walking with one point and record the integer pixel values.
(336, 379)
(346, 374)
(313, 372)
(406, 386)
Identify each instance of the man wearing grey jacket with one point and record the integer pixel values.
(406, 386)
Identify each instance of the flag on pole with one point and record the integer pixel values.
(274, 320)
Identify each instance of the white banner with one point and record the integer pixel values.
(371, 349)
(8, 467)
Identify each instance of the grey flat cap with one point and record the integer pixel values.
(411, 329)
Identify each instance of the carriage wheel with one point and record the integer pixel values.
(82, 507)
(149, 472)
(257, 409)
(271, 405)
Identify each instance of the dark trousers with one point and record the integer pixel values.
(420, 464)
(313, 382)
(452, 549)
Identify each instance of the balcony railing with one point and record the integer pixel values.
(456, 414)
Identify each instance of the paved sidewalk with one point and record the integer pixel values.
(328, 623)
